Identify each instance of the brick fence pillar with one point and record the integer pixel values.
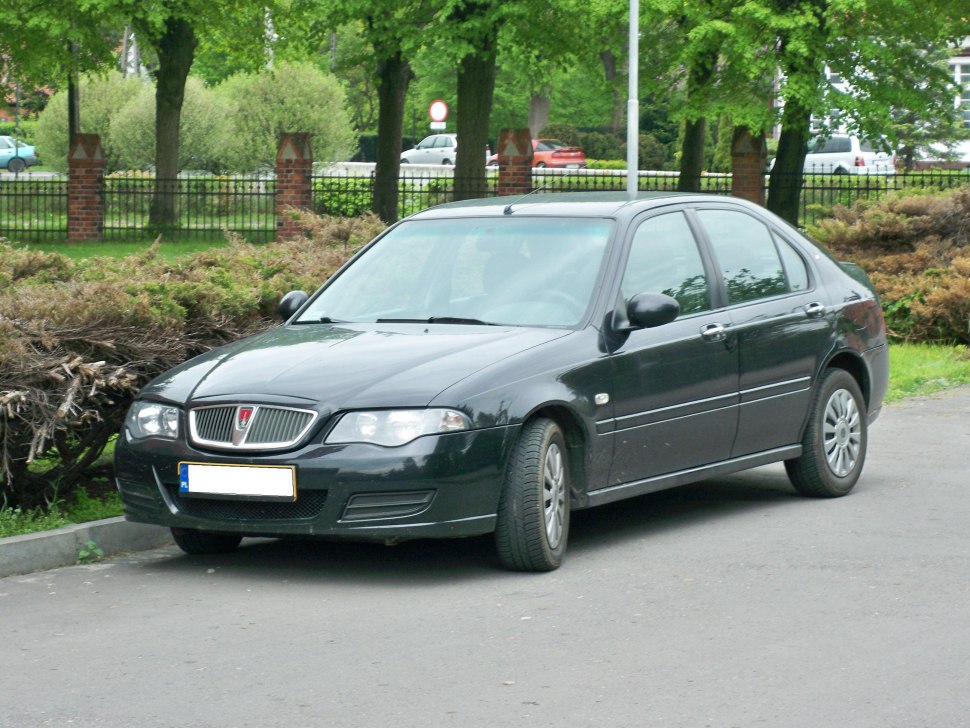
(749, 156)
(294, 171)
(514, 162)
(85, 189)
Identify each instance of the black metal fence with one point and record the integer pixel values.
(205, 206)
(33, 207)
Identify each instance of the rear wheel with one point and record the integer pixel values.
(533, 514)
(200, 543)
(16, 165)
(540, 165)
(834, 444)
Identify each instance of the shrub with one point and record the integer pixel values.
(916, 250)
(289, 97)
(203, 129)
(78, 339)
(100, 98)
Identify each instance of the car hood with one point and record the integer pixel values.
(335, 367)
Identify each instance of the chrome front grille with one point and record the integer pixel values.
(249, 426)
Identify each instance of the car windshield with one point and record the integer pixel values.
(524, 271)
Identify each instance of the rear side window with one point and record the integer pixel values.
(664, 259)
(833, 145)
(746, 255)
(795, 268)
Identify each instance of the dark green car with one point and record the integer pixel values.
(491, 366)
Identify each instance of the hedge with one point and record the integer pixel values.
(78, 339)
(916, 250)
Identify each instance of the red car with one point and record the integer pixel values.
(551, 153)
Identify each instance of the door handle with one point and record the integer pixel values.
(713, 332)
(815, 309)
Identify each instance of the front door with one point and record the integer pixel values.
(675, 386)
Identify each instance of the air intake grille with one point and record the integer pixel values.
(249, 426)
(307, 506)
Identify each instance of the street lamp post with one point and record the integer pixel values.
(633, 104)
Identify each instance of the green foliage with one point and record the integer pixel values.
(89, 552)
(100, 97)
(25, 131)
(285, 98)
(204, 129)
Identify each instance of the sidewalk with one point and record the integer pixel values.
(60, 547)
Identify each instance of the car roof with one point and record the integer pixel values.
(564, 204)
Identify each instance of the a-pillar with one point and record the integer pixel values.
(85, 189)
(294, 178)
(749, 156)
(514, 162)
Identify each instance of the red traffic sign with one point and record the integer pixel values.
(438, 111)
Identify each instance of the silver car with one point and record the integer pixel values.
(435, 149)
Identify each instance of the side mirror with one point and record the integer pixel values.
(649, 310)
(290, 304)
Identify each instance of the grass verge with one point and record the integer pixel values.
(915, 370)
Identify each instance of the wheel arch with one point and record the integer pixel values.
(855, 366)
(576, 443)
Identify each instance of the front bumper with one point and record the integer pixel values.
(434, 487)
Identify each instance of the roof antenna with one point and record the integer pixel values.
(517, 200)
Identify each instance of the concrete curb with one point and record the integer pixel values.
(60, 547)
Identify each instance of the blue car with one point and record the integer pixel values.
(16, 156)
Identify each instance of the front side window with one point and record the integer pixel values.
(664, 259)
(746, 255)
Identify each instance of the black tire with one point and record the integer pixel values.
(835, 439)
(16, 165)
(540, 165)
(533, 512)
(446, 162)
(201, 543)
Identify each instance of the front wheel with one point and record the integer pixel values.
(201, 543)
(533, 512)
(834, 444)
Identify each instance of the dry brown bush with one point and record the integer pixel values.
(78, 339)
(916, 250)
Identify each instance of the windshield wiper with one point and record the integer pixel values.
(436, 320)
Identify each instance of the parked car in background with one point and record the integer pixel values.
(844, 154)
(552, 153)
(435, 149)
(487, 367)
(16, 156)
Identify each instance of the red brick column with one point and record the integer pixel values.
(85, 189)
(514, 162)
(749, 156)
(294, 170)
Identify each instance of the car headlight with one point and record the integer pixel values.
(392, 428)
(150, 419)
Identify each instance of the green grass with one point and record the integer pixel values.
(915, 370)
(920, 369)
(82, 508)
(168, 249)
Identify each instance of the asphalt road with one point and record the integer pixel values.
(729, 603)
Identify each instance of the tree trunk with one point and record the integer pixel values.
(393, 77)
(476, 86)
(692, 156)
(785, 181)
(176, 51)
(695, 131)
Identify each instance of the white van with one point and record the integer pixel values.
(843, 154)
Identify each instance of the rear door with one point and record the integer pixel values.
(675, 386)
(781, 322)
